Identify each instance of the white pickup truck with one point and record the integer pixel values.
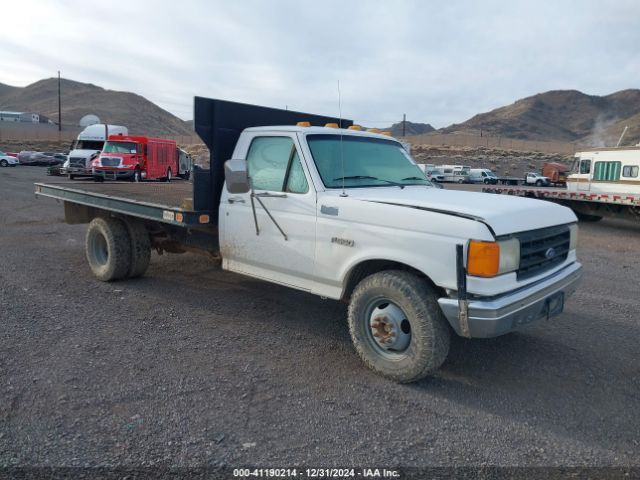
(347, 215)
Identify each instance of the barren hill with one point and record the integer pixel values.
(411, 128)
(78, 99)
(561, 115)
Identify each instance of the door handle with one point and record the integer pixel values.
(236, 200)
(271, 195)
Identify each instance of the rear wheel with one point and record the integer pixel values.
(140, 248)
(169, 177)
(460, 180)
(71, 176)
(397, 327)
(4, 163)
(108, 248)
(539, 183)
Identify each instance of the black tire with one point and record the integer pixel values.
(186, 175)
(169, 175)
(461, 181)
(98, 179)
(108, 249)
(539, 183)
(487, 181)
(71, 176)
(140, 248)
(137, 176)
(4, 163)
(429, 332)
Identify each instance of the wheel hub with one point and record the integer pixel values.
(390, 328)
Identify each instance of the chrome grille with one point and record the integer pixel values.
(110, 161)
(77, 161)
(541, 250)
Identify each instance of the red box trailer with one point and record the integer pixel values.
(136, 158)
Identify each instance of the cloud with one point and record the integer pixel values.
(438, 62)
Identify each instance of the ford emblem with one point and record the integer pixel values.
(550, 253)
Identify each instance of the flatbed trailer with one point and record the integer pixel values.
(587, 206)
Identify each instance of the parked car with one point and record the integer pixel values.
(24, 156)
(7, 160)
(45, 158)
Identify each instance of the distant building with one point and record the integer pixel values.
(24, 117)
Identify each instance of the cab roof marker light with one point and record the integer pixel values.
(373, 130)
(386, 134)
(303, 124)
(355, 127)
(331, 125)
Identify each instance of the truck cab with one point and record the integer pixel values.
(87, 147)
(532, 178)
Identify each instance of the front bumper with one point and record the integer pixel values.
(499, 315)
(113, 174)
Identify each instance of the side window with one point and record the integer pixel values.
(585, 166)
(274, 165)
(608, 171)
(630, 171)
(297, 182)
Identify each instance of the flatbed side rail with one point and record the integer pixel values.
(561, 194)
(149, 211)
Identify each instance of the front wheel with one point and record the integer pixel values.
(460, 181)
(397, 326)
(137, 176)
(539, 183)
(71, 176)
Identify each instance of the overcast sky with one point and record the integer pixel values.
(439, 62)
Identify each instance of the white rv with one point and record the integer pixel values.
(454, 173)
(85, 148)
(606, 170)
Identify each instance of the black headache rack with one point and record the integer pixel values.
(219, 124)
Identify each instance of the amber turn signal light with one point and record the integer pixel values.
(483, 259)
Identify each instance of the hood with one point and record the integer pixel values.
(504, 214)
(82, 153)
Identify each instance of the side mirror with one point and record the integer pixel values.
(236, 176)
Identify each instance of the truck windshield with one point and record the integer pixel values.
(88, 145)
(119, 147)
(368, 162)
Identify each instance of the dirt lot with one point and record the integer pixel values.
(193, 366)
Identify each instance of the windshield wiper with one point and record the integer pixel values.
(415, 178)
(368, 177)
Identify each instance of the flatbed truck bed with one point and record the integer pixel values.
(170, 203)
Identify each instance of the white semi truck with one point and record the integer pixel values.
(347, 215)
(87, 146)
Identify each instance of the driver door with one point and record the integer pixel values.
(270, 233)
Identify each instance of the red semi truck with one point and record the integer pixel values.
(137, 158)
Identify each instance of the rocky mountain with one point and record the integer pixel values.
(562, 115)
(78, 99)
(411, 128)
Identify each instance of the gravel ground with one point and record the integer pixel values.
(192, 366)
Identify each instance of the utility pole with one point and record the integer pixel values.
(59, 105)
(404, 124)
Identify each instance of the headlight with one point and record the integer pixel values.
(488, 259)
(573, 239)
